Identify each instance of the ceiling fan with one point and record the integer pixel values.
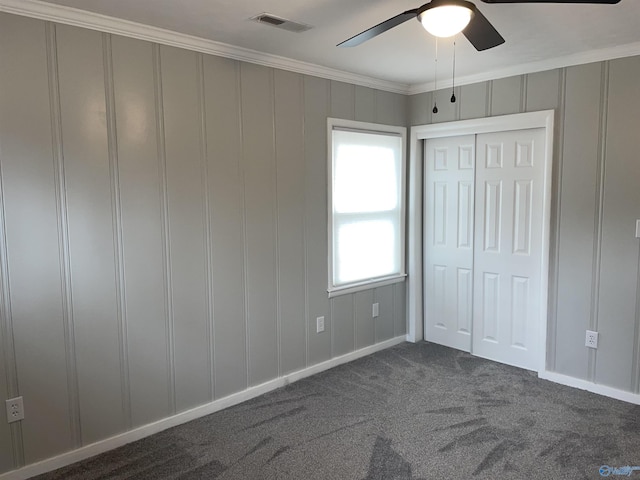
(444, 18)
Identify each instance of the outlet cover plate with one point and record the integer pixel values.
(15, 410)
(375, 310)
(591, 339)
(319, 324)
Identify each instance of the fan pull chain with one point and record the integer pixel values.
(435, 81)
(453, 81)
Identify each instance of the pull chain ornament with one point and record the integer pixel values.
(453, 81)
(435, 80)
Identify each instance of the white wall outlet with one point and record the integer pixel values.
(637, 228)
(15, 409)
(591, 340)
(319, 324)
(375, 311)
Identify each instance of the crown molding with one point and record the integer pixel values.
(619, 51)
(103, 23)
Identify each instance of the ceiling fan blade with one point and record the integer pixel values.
(481, 33)
(600, 2)
(378, 29)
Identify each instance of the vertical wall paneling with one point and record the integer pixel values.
(93, 257)
(224, 151)
(400, 309)
(186, 228)
(506, 95)
(204, 168)
(541, 91)
(384, 324)
(489, 98)
(524, 85)
(342, 325)
(289, 135)
(554, 228)
(473, 100)
(316, 103)
(365, 104)
(365, 325)
(116, 221)
(576, 231)
(276, 213)
(619, 254)
(599, 213)
(343, 100)
(390, 108)
(420, 109)
(164, 220)
(64, 247)
(260, 199)
(141, 220)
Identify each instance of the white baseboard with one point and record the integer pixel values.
(611, 392)
(141, 432)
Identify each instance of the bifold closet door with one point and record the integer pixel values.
(508, 246)
(448, 240)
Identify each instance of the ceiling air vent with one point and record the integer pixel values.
(279, 22)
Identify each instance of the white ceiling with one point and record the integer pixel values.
(538, 36)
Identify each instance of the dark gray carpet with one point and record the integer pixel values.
(415, 411)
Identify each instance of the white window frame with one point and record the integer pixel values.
(378, 129)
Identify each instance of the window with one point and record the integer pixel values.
(366, 205)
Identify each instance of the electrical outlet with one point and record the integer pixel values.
(375, 311)
(591, 340)
(15, 409)
(319, 324)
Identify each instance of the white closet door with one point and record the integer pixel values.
(448, 240)
(508, 251)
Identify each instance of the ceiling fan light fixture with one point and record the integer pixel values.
(445, 20)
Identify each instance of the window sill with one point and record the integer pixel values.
(366, 285)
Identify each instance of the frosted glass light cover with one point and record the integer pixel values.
(445, 21)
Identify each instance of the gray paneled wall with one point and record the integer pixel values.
(163, 235)
(595, 262)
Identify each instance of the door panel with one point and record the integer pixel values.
(507, 263)
(448, 240)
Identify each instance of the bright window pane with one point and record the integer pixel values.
(366, 250)
(365, 179)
